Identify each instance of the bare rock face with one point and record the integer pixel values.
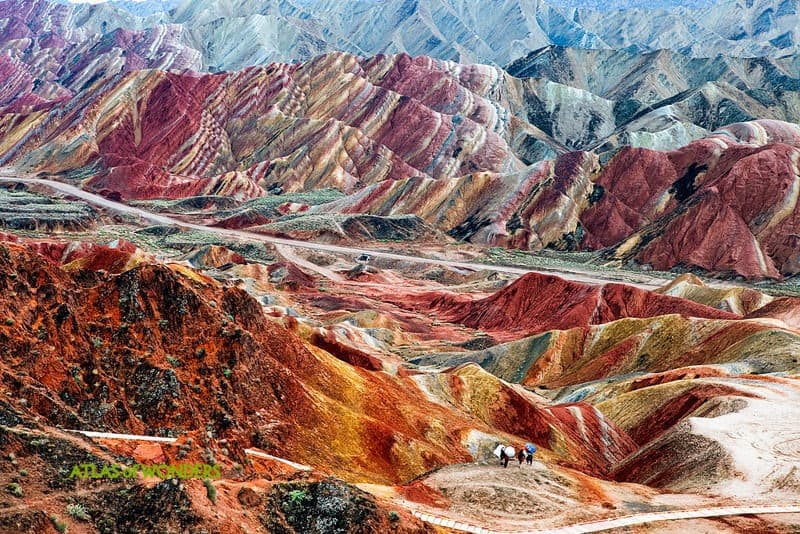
(417, 136)
(527, 158)
(142, 351)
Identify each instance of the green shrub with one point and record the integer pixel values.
(174, 362)
(211, 491)
(78, 512)
(297, 496)
(59, 525)
(394, 516)
(15, 489)
(9, 321)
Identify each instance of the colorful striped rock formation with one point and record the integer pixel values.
(172, 338)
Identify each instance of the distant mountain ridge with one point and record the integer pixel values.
(616, 5)
(233, 34)
(140, 8)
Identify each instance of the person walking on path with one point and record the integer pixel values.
(500, 452)
(530, 448)
(521, 457)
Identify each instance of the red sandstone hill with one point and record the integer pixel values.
(114, 257)
(164, 134)
(147, 352)
(726, 203)
(540, 302)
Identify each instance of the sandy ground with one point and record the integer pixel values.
(541, 496)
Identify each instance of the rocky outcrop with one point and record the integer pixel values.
(155, 333)
(726, 203)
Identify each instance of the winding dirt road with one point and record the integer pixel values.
(578, 275)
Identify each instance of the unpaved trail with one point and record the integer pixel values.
(290, 255)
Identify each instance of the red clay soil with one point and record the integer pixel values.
(709, 234)
(631, 182)
(539, 302)
(673, 375)
(585, 425)
(289, 276)
(327, 341)
(419, 492)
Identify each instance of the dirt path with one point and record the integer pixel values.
(448, 522)
(484, 498)
(288, 253)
